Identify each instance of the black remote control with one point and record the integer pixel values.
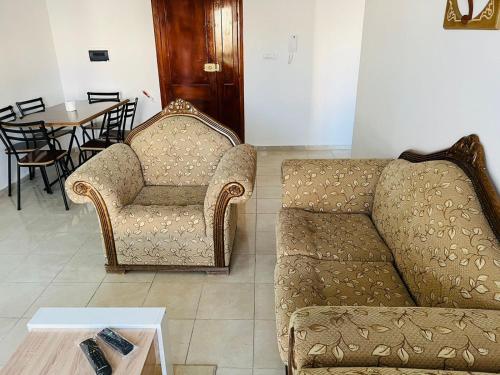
(96, 357)
(116, 341)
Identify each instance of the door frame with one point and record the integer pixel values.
(163, 59)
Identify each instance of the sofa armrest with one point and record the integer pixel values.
(331, 185)
(407, 337)
(233, 182)
(113, 176)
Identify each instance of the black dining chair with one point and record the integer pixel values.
(110, 135)
(89, 130)
(34, 133)
(37, 105)
(129, 110)
(7, 114)
(31, 106)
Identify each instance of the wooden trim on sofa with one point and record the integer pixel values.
(228, 192)
(85, 189)
(468, 154)
(123, 268)
(180, 107)
(291, 360)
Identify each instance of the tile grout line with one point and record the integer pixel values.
(194, 322)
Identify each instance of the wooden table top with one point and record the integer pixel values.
(57, 352)
(58, 116)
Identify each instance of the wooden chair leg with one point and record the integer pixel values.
(59, 177)
(18, 187)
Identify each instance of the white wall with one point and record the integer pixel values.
(28, 66)
(424, 87)
(312, 101)
(125, 28)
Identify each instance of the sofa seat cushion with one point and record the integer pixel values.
(380, 371)
(171, 195)
(303, 281)
(431, 218)
(173, 235)
(344, 237)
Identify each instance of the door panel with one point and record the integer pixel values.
(191, 33)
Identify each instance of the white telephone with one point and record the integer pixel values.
(292, 47)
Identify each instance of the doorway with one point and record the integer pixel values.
(199, 47)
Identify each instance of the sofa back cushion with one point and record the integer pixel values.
(179, 150)
(430, 217)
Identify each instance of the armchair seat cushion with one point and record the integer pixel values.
(171, 195)
(303, 281)
(162, 235)
(344, 237)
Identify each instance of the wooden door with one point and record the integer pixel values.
(190, 34)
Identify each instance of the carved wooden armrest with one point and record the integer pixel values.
(233, 182)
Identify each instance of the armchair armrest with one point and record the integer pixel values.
(112, 178)
(406, 337)
(233, 182)
(331, 185)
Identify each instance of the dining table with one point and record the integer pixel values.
(58, 117)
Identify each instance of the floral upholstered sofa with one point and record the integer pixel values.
(166, 198)
(389, 266)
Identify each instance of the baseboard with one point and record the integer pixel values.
(304, 148)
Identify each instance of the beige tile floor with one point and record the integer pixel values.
(50, 257)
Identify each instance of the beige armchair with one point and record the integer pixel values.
(166, 198)
(389, 267)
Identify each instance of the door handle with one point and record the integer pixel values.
(212, 68)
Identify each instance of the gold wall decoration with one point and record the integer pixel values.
(472, 17)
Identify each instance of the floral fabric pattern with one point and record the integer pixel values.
(430, 217)
(115, 174)
(171, 195)
(331, 185)
(179, 150)
(346, 237)
(425, 338)
(382, 371)
(160, 219)
(162, 235)
(302, 281)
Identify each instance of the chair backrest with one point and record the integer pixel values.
(102, 97)
(31, 133)
(28, 107)
(431, 217)
(113, 125)
(129, 114)
(7, 114)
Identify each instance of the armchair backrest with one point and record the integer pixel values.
(180, 146)
(445, 247)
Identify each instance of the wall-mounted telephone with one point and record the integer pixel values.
(292, 47)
